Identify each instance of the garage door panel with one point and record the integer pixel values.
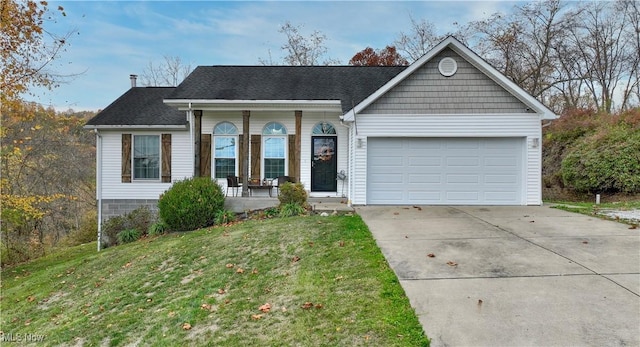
(423, 178)
(461, 179)
(470, 171)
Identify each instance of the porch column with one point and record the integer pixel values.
(244, 147)
(197, 138)
(298, 141)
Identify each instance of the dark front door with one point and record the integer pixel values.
(324, 163)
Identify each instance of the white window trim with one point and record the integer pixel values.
(133, 160)
(213, 155)
(286, 154)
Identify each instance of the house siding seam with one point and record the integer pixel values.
(426, 91)
(526, 126)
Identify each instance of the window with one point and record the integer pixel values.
(324, 128)
(225, 144)
(146, 157)
(274, 147)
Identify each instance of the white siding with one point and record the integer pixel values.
(449, 125)
(112, 186)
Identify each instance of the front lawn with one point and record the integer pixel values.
(302, 281)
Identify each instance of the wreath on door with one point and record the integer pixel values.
(325, 153)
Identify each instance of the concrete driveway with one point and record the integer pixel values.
(514, 276)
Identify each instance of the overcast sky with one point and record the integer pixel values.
(119, 38)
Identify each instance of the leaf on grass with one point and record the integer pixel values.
(221, 291)
(31, 298)
(229, 266)
(341, 243)
(256, 316)
(295, 259)
(254, 271)
(186, 326)
(265, 308)
(431, 255)
(127, 265)
(307, 305)
(318, 306)
(27, 322)
(206, 306)
(240, 270)
(452, 263)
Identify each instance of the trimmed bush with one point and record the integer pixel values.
(292, 193)
(605, 162)
(191, 204)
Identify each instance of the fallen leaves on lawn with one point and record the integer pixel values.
(206, 306)
(265, 308)
(221, 291)
(452, 263)
(31, 298)
(295, 259)
(308, 305)
(341, 243)
(127, 265)
(186, 326)
(254, 271)
(240, 270)
(229, 266)
(256, 316)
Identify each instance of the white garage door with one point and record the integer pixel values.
(445, 171)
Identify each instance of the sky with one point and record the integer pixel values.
(114, 39)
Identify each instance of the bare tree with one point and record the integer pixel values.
(631, 9)
(302, 50)
(419, 40)
(168, 74)
(600, 40)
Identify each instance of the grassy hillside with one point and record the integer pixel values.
(306, 281)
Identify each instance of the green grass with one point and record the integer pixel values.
(146, 292)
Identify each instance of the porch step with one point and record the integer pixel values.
(243, 204)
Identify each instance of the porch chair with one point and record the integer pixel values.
(233, 182)
(280, 180)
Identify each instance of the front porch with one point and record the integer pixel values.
(326, 204)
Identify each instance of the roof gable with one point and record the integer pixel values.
(139, 107)
(473, 59)
(348, 84)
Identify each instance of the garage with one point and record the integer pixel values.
(445, 171)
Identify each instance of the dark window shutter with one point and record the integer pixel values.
(240, 157)
(205, 155)
(293, 159)
(126, 158)
(166, 158)
(256, 155)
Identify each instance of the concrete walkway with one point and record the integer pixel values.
(514, 276)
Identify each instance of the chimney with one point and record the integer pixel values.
(133, 79)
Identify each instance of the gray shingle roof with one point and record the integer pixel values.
(350, 84)
(140, 106)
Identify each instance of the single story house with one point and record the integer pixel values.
(448, 129)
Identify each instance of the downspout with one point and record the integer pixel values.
(99, 184)
(190, 119)
(349, 156)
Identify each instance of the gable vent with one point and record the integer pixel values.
(447, 67)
